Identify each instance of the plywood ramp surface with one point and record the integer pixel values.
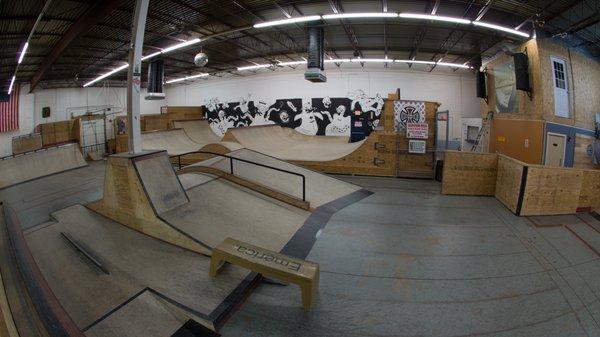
(34, 165)
(198, 130)
(134, 262)
(469, 173)
(287, 144)
(320, 188)
(219, 209)
(174, 141)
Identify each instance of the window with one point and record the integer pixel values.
(559, 75)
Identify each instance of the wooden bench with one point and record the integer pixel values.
(270, 264)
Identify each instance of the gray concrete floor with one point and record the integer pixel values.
(408, 261)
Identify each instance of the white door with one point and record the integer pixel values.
(561, 87)
(555, 149)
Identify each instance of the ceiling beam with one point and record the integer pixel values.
(93, 15)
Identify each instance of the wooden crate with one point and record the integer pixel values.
(470, 173)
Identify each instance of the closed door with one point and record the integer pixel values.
(555, 149)
(561, 87)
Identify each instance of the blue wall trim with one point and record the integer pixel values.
(571, 133)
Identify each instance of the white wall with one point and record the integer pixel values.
(455, 91)
(58, 100)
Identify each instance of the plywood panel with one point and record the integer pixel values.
(589, 197)
(551, 190)
(178, 113)
(469, 173)
(519, 139)
(26, 143)
(508, 181)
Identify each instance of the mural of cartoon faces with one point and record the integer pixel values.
(317, 116)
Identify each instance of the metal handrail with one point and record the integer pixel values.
(232, 159)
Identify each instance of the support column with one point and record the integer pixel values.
(134, 76)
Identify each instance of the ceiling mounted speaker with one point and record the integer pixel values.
(201, 59)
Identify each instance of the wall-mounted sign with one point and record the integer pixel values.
(408, 112)
(417, 130)
(501, 139)
(416, 146)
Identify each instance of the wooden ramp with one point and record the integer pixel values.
(144, 193)
(32, 165)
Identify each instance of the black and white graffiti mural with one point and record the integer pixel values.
(316, 116)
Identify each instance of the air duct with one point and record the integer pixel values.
(315, 67)
(155, 80)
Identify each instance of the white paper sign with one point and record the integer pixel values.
(416, 146)
(417, 130)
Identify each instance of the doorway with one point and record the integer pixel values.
(561, 87)
(555, 149)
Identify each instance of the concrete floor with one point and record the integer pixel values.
(407, 261)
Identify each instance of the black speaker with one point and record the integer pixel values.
(481, 85)
(522, 71)
(155, 76)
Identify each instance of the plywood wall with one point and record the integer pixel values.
(519, 139)
(523, 188)
(551, 190)
(508, 182)
(528, 108)
(583, 80)
(469, 173)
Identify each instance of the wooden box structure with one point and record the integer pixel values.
(525, 189)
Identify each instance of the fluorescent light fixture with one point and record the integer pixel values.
(368, 60)
(501, 28)
(144, 58)
(337, 61)
(180, 45)
(454, 65)
(23, 52)
(12, 82)
(186, 78)
(291, 63)
(258, 66)
(415, 61)
(359, 15)
(434, 17)
(116, 70)
(287, 21)
(445, 64)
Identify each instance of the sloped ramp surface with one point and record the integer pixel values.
(135, 263)
(288, 144)
(320, 188)
(25, 167)
(198, 130)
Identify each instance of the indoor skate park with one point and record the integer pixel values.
(175, 168)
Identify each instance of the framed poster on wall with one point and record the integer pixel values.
(416, 146)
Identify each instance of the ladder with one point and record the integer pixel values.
(485, 126)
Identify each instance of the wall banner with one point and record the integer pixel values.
(408, 112)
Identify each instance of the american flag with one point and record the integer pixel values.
(9, 112)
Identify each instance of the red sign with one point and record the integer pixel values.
(417, 130)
